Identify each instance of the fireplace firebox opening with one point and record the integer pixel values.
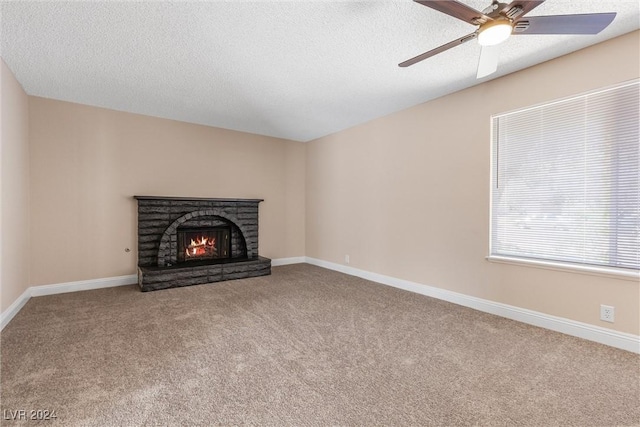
(203, 243)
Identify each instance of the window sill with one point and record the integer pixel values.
(615, 273)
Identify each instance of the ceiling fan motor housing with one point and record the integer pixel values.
(514, 12)
(494, 8)
(521, 26)
(503, 10)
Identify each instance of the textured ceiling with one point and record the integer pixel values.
(296, 70)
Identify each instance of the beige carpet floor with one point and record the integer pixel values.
(304, 346)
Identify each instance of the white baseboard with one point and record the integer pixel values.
(83, 285)
(61, 288)
(586, 331)
(14, 308)
(287, 261)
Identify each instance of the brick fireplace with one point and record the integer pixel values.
(190, 241)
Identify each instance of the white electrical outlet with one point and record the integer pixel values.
(346, 259)
(607, 313)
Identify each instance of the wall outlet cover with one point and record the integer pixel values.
(607, 313)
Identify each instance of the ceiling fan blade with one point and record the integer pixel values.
(518, 8)
(457, 10)
(438, 50)
(591, 23)
(488, 63)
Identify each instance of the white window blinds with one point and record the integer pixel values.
(566, 180)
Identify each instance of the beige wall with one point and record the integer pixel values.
(407, 195)
(14, 183)
(88, 162)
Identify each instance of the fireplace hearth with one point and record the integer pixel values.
(189, 241)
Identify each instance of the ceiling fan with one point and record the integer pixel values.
(500, 20)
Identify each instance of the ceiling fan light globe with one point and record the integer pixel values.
(494, 33)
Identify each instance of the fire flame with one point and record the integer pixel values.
(200, 246)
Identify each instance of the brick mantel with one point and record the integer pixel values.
(159, 219)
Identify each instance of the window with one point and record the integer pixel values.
(566, 180)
